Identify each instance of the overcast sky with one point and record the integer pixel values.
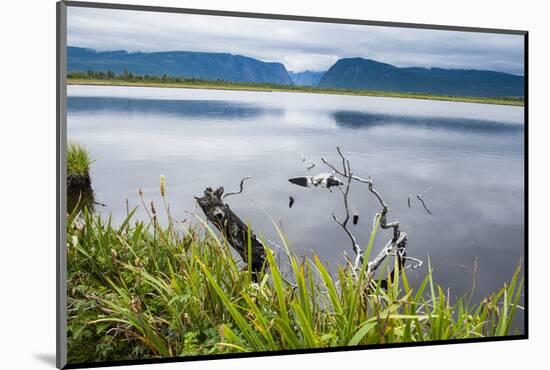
(298, 45)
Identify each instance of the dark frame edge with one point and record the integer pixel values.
(61, 191)
(291, 352)
(526, 181)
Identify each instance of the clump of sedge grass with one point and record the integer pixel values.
(78, 163)
(143, 290)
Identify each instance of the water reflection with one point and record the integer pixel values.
(206, 109)
(365, 120)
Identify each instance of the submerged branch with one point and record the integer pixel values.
(240, 188)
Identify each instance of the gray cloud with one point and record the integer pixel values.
(298, 45)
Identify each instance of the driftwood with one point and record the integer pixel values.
(396, 246)
(237, 233)
(232, 227)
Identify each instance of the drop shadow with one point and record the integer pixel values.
(46, 358)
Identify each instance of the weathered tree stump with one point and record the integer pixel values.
(232, 227)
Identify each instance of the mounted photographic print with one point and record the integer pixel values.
(237, 184)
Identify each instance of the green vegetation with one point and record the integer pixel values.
(79, 190)
(129, 79)
(143, 290)
(78, 164)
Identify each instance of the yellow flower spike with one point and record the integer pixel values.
(162, 185)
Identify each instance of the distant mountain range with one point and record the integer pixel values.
(359, 73)
(347, 73)
(209, 66)
(306, 78)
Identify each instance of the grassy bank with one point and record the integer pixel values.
(142, 290)
(106, 79)
(78, 165)
(79, 185)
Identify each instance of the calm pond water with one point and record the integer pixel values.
(471, 153)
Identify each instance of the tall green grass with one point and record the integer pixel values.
(78, 160)
(143, 290)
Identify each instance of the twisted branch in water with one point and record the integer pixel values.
(240, 188)
(420, 195)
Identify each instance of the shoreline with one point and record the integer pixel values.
(306, 90)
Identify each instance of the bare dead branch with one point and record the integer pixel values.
(395, 246)
(240, 188)
(312, 164)
(343, 160)
(385, 209)
(390, 249)
(337, 171)
(332, 167)
(344, 224)
(416, 261)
